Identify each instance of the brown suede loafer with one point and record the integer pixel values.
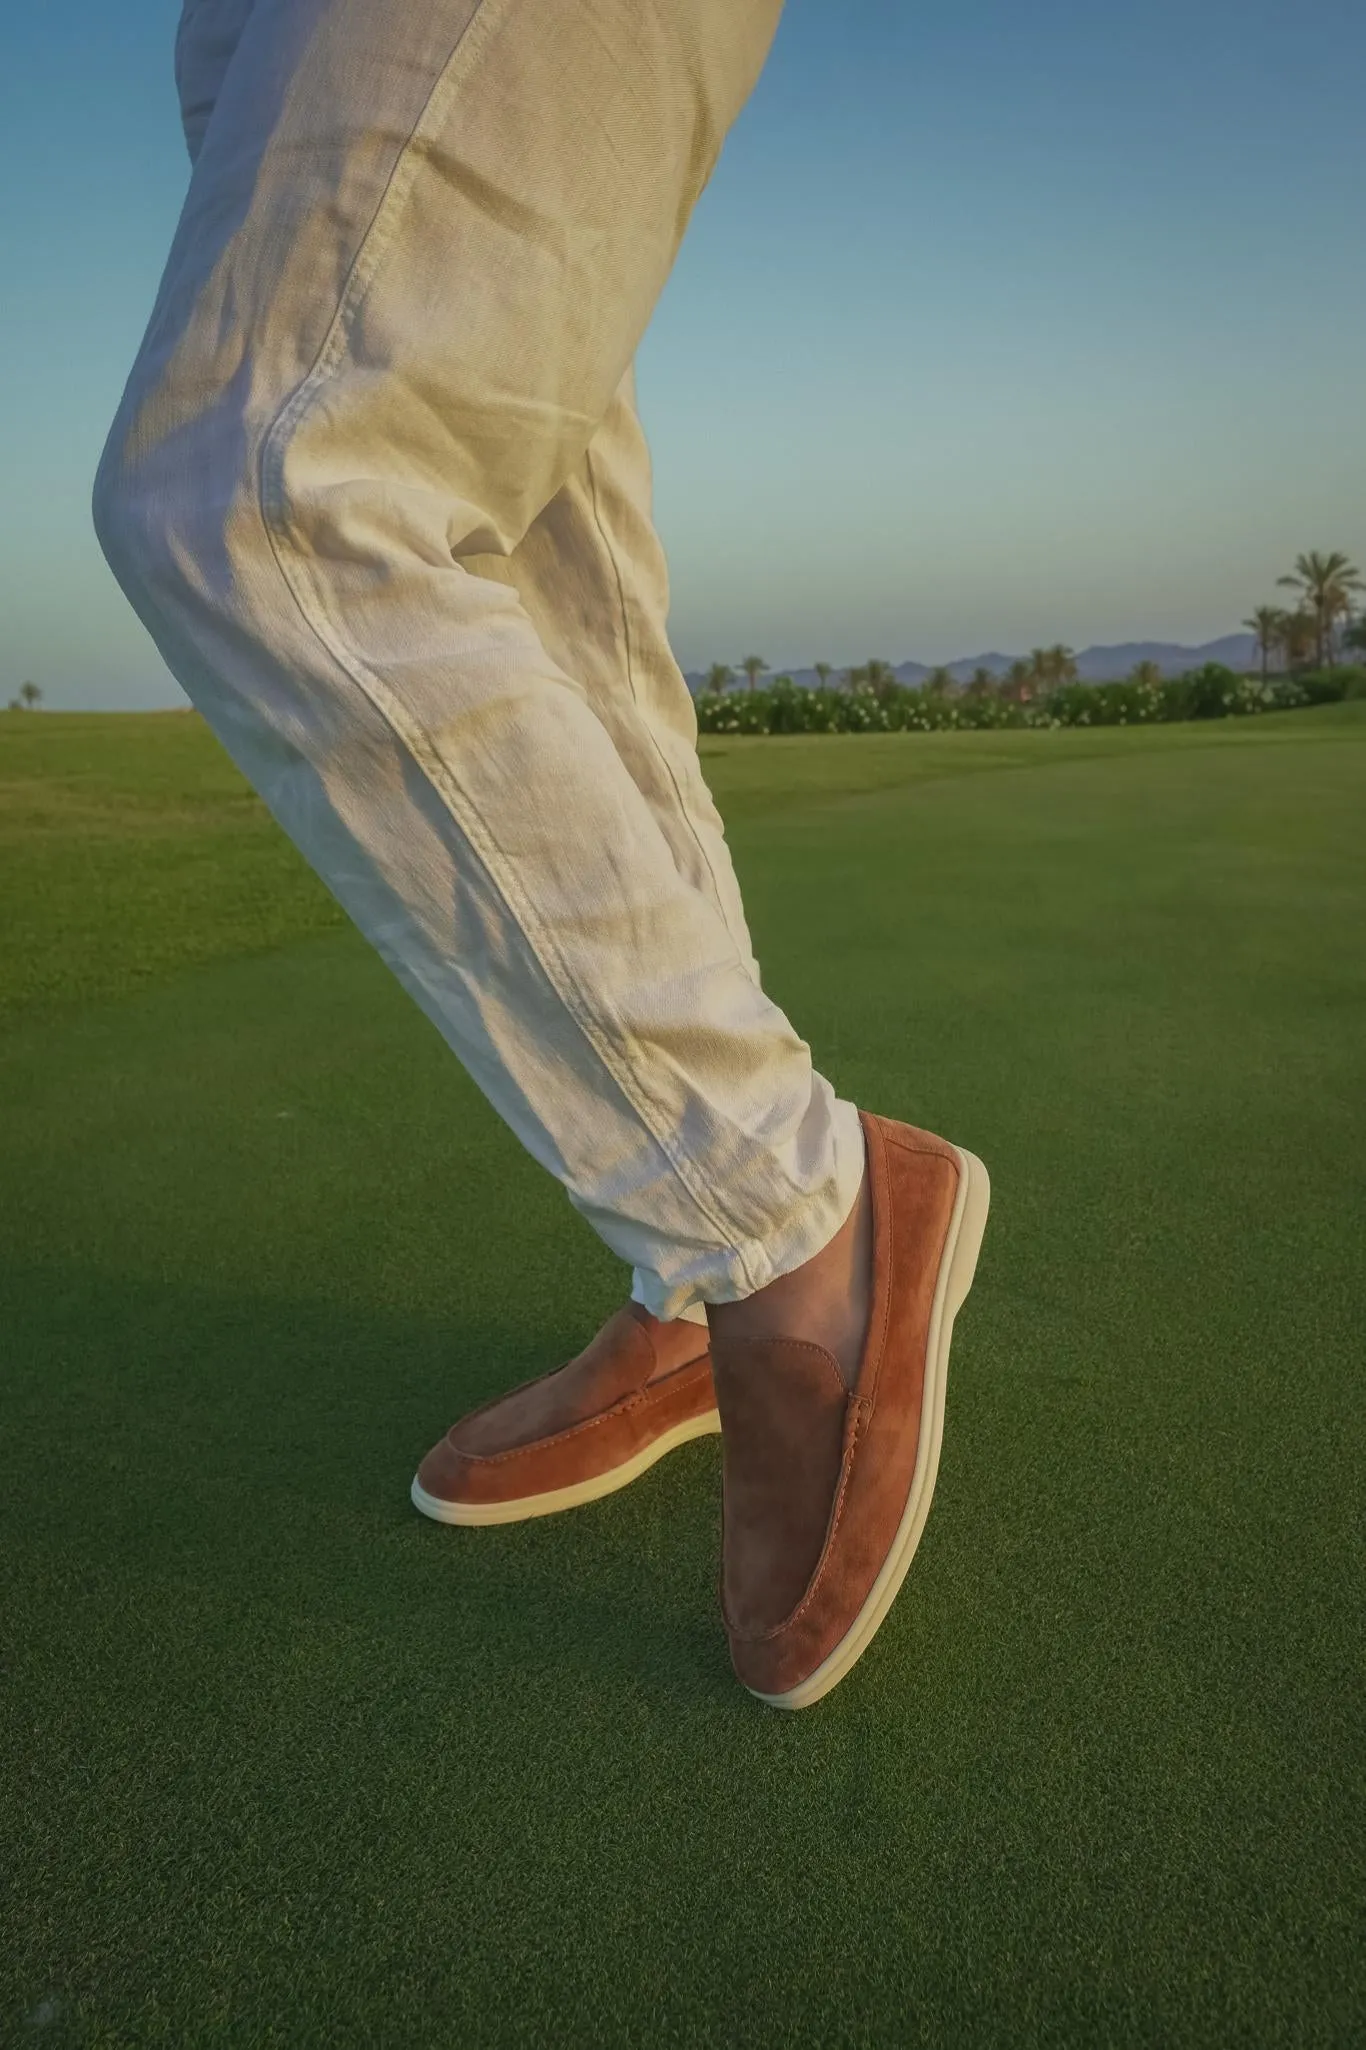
(826, 1487)
(573, 1434)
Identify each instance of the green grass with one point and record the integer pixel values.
(281, 1763)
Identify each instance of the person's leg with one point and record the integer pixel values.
(418, 252)
(417, 255)
(592, 575)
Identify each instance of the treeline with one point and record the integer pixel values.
(1044, 689)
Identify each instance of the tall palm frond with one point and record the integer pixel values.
(1325, 583)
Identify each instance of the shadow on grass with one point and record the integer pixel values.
(255, 1455)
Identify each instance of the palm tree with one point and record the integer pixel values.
(983, 682)
(1062, 664)
(719, 675)
(939, 680)
(1148, 673)
(751, 665)
(878, 676)
(823, 671)
(30, 694)
(1327, 581)
(1265, 622)
(1296, 636)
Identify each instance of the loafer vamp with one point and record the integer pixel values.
(616, 1365)
(783, 1407)
(570, 1427)
(581, 1452)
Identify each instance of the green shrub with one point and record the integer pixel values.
(1216, 692)
(1107, 704)
(1330, 686)
(1211, 692)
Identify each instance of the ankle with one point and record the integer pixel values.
(824, 1302)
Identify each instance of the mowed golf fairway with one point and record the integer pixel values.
(286, 1764)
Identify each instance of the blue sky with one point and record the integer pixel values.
(999, 323)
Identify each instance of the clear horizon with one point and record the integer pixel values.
(981, 337)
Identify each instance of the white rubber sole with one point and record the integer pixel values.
(959, 1264)
(565, 1498)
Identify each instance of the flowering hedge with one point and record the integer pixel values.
(1213, 692)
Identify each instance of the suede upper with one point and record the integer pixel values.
(816, 1476)
(568, 1426)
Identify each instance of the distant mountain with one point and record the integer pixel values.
(1108, 665)
(1094, 665)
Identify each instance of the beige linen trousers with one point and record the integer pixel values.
(378, 489)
